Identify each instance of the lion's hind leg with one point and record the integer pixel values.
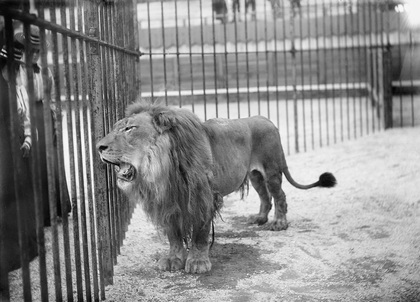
(280, 206)
(177, 256)
(259, 184)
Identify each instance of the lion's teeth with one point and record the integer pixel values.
(125, 172)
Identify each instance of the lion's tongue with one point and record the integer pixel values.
(125, 171)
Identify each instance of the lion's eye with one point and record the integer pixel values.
(129, 128)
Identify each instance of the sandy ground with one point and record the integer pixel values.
(359, 241)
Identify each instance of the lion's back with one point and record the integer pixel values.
(241, 145)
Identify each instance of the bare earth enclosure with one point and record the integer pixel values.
(359, 241)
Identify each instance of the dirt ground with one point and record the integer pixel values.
(359, 241)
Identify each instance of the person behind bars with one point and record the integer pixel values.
(42, 90)
(9, 225)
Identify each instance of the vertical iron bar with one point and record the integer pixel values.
(89, 172)
(346, 53)
(113, 64)
(109, 70)
(165, 80)
(302, 76)
(370, 50)
(75, 208)
(411, 77)
(294, 77)
(318, 73)
(177, 54)
(121, 100)
(136, 46)
(257, 58)
(238, 98)
(276, 74)
(361, 63)
(95, 96)
(4, 274)
(400, 64)
(124, 209)
(203, 60)
(190, 55)
(387, 87)
(116, 99)
(333, 79)
(215, 63)
(267, 64)
(140, 71)
(354, 60)
(226, 71)
(248, 95)
(50, 163)
(19, 170)
(310, 77)
(285, 79)
(109, 119)
(120, 97)
(36, 173)
(150, 51)
(375, 49)
(77, 111)
(324, 27)
(120, 93)
(368, 43)
(61, 173)
(384, 71)
(340, 75)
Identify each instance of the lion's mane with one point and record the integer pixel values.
(175, 182)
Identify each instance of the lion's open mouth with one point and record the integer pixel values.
(125, 172)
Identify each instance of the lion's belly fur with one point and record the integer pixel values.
(241, 146)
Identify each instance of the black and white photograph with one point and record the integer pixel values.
(210, 150)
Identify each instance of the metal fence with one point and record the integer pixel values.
(323, 71)
(89, 50)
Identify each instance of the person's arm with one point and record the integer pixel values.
(23, 110)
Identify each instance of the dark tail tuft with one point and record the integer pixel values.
(327, 180)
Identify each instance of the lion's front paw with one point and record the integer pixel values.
(257, 219)
(198, 266)
(167, 263)
(277, 225)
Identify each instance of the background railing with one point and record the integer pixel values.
(91, 50)
(321, 70)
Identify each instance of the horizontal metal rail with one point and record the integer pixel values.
(256, 89)
(33, 19)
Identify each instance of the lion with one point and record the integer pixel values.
(179, 169)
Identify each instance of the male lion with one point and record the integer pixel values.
(179, 168)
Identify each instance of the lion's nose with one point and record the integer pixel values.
(101, 147)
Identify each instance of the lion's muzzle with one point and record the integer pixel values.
(124, 171)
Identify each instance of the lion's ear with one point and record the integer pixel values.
(164, 121)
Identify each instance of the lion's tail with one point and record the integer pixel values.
(326, 180)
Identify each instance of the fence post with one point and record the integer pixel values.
(387, 86)
(294, 76)
(100, 177)
(221, 63)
